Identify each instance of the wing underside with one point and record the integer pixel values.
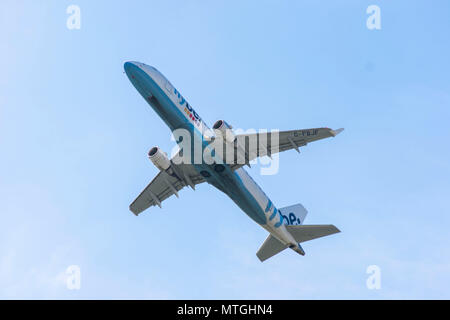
(248, 147)
(164, 185)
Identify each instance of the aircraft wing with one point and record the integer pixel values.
(256, 145)
(165, 185)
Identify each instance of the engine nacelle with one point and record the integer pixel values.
(225, 129)
(159, 158)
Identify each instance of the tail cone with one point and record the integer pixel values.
(297, 248)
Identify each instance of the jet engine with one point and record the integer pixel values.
(159, 158)
(225, 129)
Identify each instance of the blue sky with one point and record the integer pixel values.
(74, 135)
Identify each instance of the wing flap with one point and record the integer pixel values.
(256, 145)
(165, 185)
(156, 192)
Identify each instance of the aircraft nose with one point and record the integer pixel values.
(129, 66)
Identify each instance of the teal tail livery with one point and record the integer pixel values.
(223, 156)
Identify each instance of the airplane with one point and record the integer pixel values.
(285, 225)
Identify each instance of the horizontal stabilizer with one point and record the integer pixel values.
(270, 247)
(309, 232)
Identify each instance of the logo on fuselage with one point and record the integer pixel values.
(190, 112)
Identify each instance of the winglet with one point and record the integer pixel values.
(334, 133)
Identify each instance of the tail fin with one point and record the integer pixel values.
(293, 218)
(270, 247)
(310, 232)
(294, 215)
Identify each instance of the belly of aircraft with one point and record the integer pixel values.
(234, 184)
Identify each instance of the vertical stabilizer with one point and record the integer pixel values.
(294, 215)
